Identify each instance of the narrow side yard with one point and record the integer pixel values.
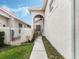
(51, 51)
(38, 49)
(16, 52)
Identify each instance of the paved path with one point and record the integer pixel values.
(38, 50)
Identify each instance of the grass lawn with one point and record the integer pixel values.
(16, 52)
(51, 51)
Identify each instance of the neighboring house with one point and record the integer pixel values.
(16, 31)
(57, 22)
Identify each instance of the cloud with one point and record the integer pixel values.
(21, 9)
(21, 12)
(5, 7)
(16, 10)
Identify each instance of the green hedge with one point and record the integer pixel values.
(2, 34)
(34, 36)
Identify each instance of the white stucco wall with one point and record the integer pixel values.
(58, 27)
(77, 28)
(3, 21)
(25, 34)
(13, 24)
(33, 14)
(39, 23)
(7, 37)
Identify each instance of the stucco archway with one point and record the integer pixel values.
(38, 21)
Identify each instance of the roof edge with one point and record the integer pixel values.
(12, 15)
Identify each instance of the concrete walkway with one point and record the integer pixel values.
(38, 50)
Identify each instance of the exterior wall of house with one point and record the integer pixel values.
(7, 38)
(16, 27)
(17, 22)
(24, 33)
(24, 36)
(58, 26)
(16, 37)
(33, 14)
(77, 29)
(3, 21)
(39, 23)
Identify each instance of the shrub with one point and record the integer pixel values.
(34, 36)
(2, 34)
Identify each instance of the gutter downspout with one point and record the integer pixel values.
(74, 33)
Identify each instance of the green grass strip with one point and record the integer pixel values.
(51, 51)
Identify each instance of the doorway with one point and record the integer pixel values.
(38, 28)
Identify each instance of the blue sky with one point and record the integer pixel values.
(20, 7)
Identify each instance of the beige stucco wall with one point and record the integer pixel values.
(58, 27)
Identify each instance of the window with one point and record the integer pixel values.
(50, 5)
(19, 30)
(20, 26)
(12, 34)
